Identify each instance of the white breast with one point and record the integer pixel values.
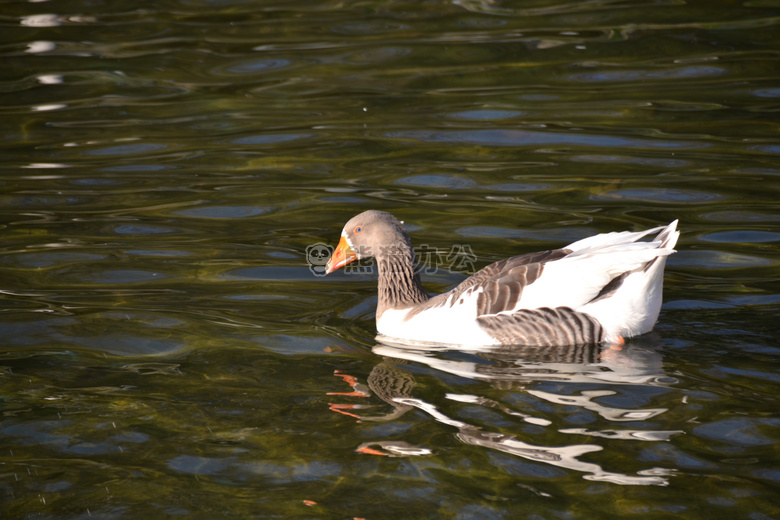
(456, 325)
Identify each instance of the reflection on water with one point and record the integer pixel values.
(590, 367)
(638, 363)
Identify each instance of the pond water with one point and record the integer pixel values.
(166, 349)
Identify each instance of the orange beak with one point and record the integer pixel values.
(340, 257)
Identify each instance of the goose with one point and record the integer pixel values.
(600, 289)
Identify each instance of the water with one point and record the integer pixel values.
(166, 350)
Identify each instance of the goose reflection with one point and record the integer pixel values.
(638, 363)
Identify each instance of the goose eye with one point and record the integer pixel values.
(358, 229)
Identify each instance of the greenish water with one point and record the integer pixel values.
(166, 350)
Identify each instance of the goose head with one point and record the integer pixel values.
(372, 233)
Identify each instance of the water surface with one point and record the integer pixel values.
(167, 350)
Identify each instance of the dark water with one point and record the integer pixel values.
(166, 350)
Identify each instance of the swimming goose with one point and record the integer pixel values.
(597, 290)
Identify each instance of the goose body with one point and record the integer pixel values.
(596, 290)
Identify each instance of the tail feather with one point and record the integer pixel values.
(668, 237)
(633, 306)
(614, 238)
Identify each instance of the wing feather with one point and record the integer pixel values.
(585, 271)
(497, 287)
(501, 284)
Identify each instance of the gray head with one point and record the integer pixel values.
(372, 233)
(375, 233)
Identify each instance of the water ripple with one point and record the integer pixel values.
(528, 138)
